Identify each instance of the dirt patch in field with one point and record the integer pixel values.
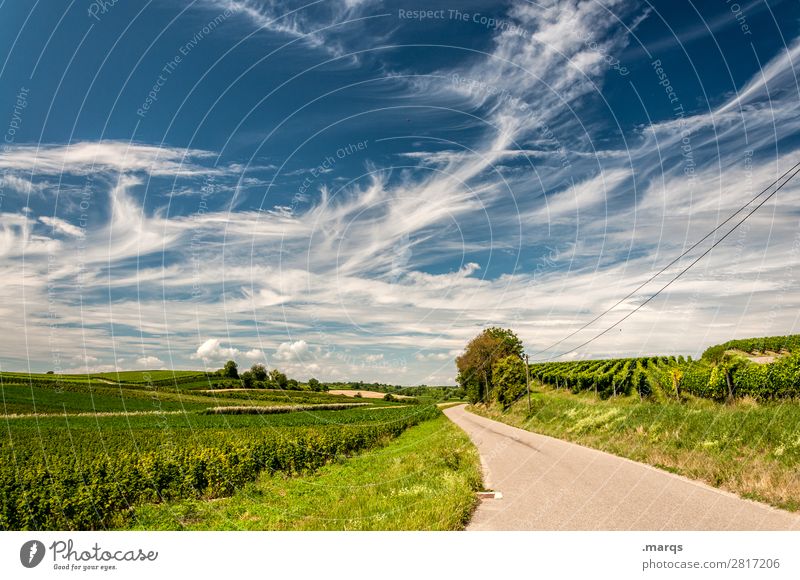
(761, 359)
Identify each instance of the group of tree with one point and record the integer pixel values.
(260, 378)
(492, 368)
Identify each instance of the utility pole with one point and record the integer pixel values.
(528, 382)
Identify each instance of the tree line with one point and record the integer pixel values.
(258, 377)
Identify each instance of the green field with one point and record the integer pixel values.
(50, 395)
(735, 369)
(80, 451)
(87, 472)
(148, 376)
(424, 480)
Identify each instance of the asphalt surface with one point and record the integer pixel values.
(549, 484)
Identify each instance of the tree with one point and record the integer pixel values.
(259, 372)
(278, 379)
(314, 384)
(230, 370)
(475, 365)
(509, 379)
(247, 379)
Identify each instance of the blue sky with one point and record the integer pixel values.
(353, 189)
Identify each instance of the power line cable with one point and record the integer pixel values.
(794, 168)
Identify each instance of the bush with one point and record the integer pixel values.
(509, 379)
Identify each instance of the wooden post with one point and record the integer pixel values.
(528, 382)
(729, 380)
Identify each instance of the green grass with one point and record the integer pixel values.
(748, 448)
(288, 397)
(78, 472)
(147, 376)
(423, 480)
(72, 398)
(25, 399)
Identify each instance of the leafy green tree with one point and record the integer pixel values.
(509, 378)
(259, 372)
(278, 379)
(230, 370)
(475, 365)
(314, 384)
(247, 379)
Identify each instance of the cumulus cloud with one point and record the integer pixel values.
(292, 351)
(149, 361)
(254, 354)
(212, 350)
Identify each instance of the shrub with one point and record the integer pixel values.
(509, 379)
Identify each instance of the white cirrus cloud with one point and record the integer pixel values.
(84, 158)
(62, 226)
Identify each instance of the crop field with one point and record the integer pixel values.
(724, 371)
(81, 450)
(26, 399)
(148, 376)
(425, 479)
(21, 393)
(68, 472)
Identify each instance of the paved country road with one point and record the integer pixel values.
(549, 484)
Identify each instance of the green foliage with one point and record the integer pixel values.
(475, 364)
(714, 354)
(674, 377)
(278, 380)
(789, 343)
(162, 377)
(314, 384)
(231, 370)
(90, 479)
(259, 372)
(425, 479)
(509, 379)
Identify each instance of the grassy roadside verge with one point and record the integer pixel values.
(750, 449)
(425, 479)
